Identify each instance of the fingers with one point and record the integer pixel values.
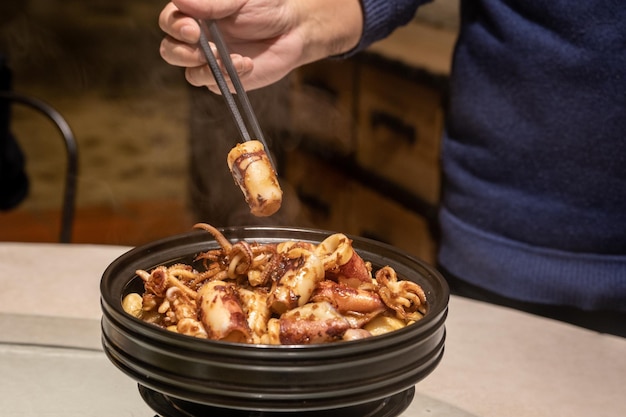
(214, 9)
(180, 45)
(201, 75)
(179, 26)
(181, 54)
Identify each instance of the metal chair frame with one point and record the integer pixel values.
(69, 194)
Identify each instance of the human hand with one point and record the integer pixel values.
(267, 38)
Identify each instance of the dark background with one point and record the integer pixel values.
(97, 63)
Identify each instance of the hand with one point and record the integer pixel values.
(267, 38)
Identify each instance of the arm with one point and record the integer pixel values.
(268, 38)
(382, 17)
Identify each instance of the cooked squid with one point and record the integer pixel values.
(316, 322)
(277, 293)
(253, 172)
(295, 286)
(221, 312)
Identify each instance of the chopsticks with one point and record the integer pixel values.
(210, 31)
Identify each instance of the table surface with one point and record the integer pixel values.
(497, 362)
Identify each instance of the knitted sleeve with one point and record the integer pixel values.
(382, 17)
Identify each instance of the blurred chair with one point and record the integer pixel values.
(69, 196)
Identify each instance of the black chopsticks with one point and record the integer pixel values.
(210, 32)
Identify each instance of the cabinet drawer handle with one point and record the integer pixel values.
(396, 125)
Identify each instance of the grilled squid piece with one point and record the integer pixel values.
(356, 334)
(257, 311)
(406, 297)
(316, 322)
(190, 327)
(181, 305)
(342, 263)
(253, 172)
(347, 299)
(357, 305)
(304, 272)
(221, 312)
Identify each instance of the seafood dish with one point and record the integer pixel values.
(286, 293)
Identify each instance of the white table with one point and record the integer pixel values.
(497, 362)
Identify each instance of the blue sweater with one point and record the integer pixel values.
(534, 154)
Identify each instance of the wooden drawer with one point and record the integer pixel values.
(329, 200)
(399, 130)
(320, 190)
(323, 104)
(370, 214)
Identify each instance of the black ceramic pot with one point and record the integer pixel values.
(273, 379)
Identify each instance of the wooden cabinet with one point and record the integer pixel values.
(332, 200)
(399, 129)
(323, 191)
(370, 213)
(322, 100)
(363, 155)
